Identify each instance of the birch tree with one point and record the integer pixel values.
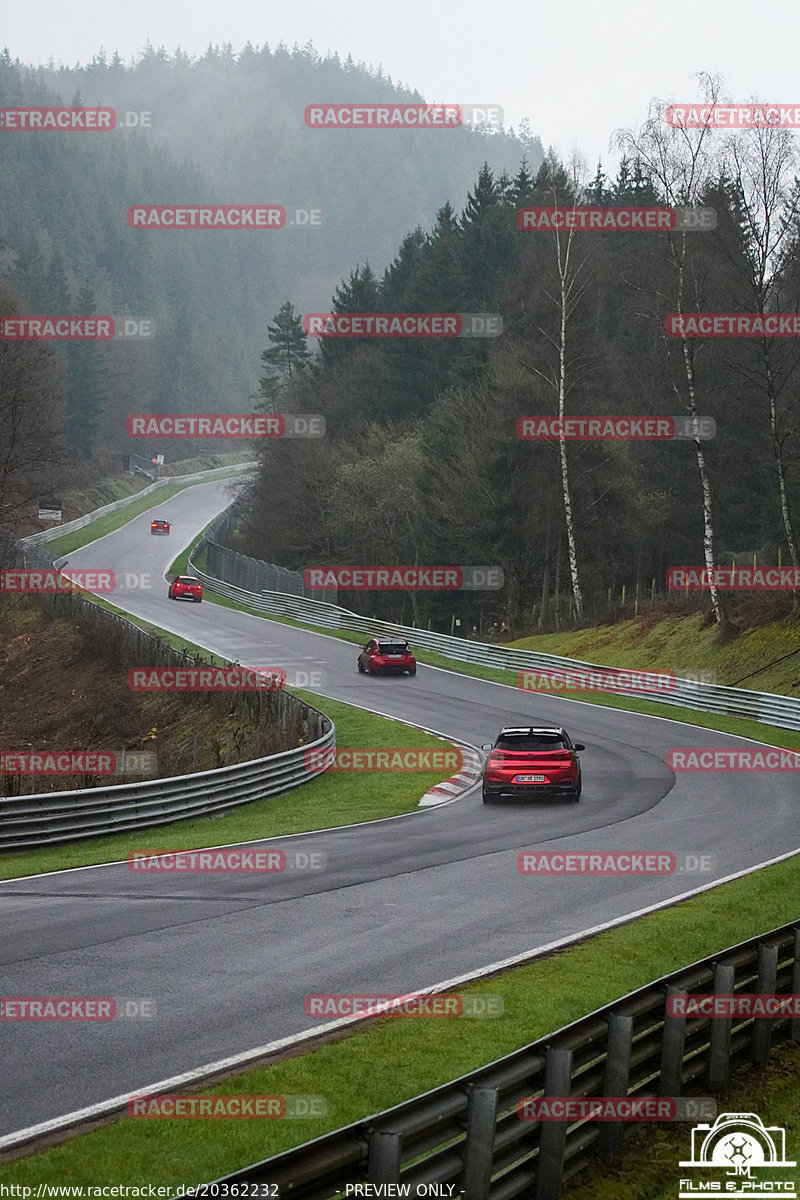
(564, 295)
(762, 164)
(683, 164)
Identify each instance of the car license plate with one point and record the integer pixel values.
(530, 779)
(394, 656)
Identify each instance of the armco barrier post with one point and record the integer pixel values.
(384, 1156)
(553, 1134)
(673, 1040)
(616, 1079)
(719, 1055)
(476, 1177)
(765, 985)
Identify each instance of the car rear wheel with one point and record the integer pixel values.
(487, 798)
(199, 599)
(360, 667)
(413, 671)
(575, 795)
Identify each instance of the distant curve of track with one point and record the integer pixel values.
(403, 904)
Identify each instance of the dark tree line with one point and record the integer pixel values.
(421, 462)
(224, 128)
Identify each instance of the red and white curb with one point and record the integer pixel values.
(467, 777)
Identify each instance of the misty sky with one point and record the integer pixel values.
(576, 70)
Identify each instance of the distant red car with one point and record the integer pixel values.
(383, 657)
(529, 762)
(159, 526)
(186, 585)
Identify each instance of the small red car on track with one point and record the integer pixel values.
(186, 585)
(159, 526)
(529, 762)
(383, 657)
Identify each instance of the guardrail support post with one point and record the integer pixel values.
(476, 1175)
(766, 984)
(383, 1165)
(719, 1056)
(616, 1079)
(794, 1027)
(553, 1134)
(673, 1040)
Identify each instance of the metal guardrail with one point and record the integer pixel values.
(253, 574)
(50, 535)
(45, 818)
(766, 707)
(49, 817)
(468, 1133)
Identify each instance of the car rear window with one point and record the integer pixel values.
(531, 741)
(393, 648)
(187, 579)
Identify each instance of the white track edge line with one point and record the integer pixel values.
(106, 1107)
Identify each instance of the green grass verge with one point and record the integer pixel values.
(332, 799)
(391, 1060)
(738, 726)
(649, 1169)
(687, 643)
(180, 565)
(115, 520)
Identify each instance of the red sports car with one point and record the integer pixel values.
(384, 657)
(159, 526)
(186, 585)
(531, 762)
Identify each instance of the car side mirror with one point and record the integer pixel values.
(579, 746)
(487, 746)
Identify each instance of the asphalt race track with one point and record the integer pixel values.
(403, 903)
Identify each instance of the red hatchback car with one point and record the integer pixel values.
(382, 657)
(159, 526)
(530, 762)
(186, 585)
